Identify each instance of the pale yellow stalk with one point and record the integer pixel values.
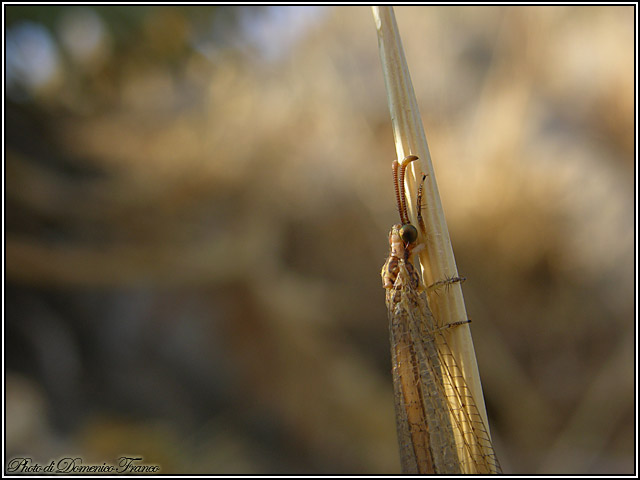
(437, 259)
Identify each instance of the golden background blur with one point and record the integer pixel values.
(197, 208)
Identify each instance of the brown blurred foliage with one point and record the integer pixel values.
(197, 213)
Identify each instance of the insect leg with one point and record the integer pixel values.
(423, 229)
(451, 325)
(445, 283)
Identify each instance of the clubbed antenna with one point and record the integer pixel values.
(399, 168)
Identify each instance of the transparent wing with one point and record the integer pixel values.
(425, 433)
(439, 427)
(475, 449)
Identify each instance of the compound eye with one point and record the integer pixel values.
(408, 233)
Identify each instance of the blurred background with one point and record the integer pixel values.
(197, 208)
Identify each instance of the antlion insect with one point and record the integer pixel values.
(439, 427)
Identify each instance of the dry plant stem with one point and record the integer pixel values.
(437, 259)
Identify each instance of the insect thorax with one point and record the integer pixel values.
(393, 278)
